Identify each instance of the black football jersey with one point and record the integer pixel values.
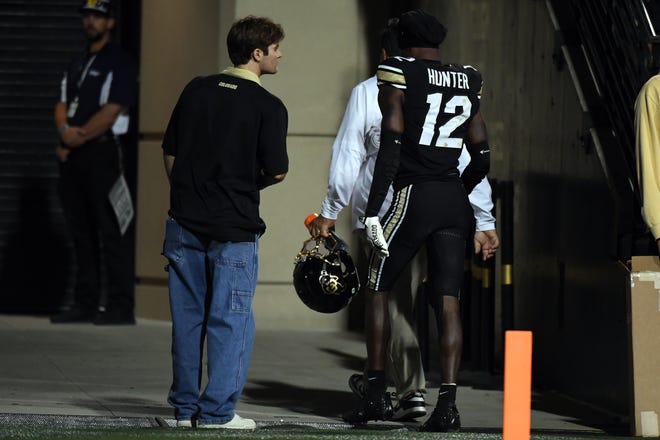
(440, 101)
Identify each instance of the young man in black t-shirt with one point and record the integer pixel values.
(226, 140)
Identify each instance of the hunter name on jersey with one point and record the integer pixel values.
(458, 80)
(393, 72)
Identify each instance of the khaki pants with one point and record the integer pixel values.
(404, 362)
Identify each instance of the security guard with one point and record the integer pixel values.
(96, 92)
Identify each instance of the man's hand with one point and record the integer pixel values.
(320, 226)
(486, 242)
(375, 236)
(62, 153)
(73, 136)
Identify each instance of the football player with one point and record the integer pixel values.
(354, 154)
(429, 111)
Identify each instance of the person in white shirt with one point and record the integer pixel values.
(354, 153)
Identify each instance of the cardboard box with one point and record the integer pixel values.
(644, 321)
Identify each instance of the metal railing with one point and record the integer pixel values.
(607, 46)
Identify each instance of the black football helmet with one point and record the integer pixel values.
(324, 276)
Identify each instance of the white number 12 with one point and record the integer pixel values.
(445, 130)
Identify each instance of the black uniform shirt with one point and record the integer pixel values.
(109, 76)
(440, 101)
(223, 131)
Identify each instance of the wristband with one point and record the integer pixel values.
(63, 128)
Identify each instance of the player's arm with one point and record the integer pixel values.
(390, 100)
(476, 142)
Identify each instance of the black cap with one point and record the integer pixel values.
(101, 6)
(419, 29)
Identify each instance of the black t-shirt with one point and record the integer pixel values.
(440, 101)
(223, 132)
(108, 76)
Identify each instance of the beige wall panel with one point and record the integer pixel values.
(227, 15)
(324, 57)
(179, 42)
(151, 301)
(153, 203)
(285, 206)
(278, 308)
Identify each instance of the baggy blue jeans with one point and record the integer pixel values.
(211, 287)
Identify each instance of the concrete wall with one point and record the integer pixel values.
(320, 65)
(568, 287)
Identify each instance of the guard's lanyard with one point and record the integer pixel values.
(83, 75)
(74, 104)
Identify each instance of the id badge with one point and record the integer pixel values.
(72, 108)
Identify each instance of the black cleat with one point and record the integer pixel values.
(357, 385)
(444, 419)
(370, 408)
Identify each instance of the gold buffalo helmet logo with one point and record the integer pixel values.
(331, 283)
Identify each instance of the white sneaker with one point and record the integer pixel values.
(410, 407)
(184, 424)
(237, 422)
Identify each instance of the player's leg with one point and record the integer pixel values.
(404, 238)
(446, 255)
(376, 403)
(382, 275)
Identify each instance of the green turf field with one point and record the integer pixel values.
(274, 433)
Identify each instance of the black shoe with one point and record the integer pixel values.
(370, 408)
(357, 385)
(114, 317)
(73, 315)
(443, 420)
